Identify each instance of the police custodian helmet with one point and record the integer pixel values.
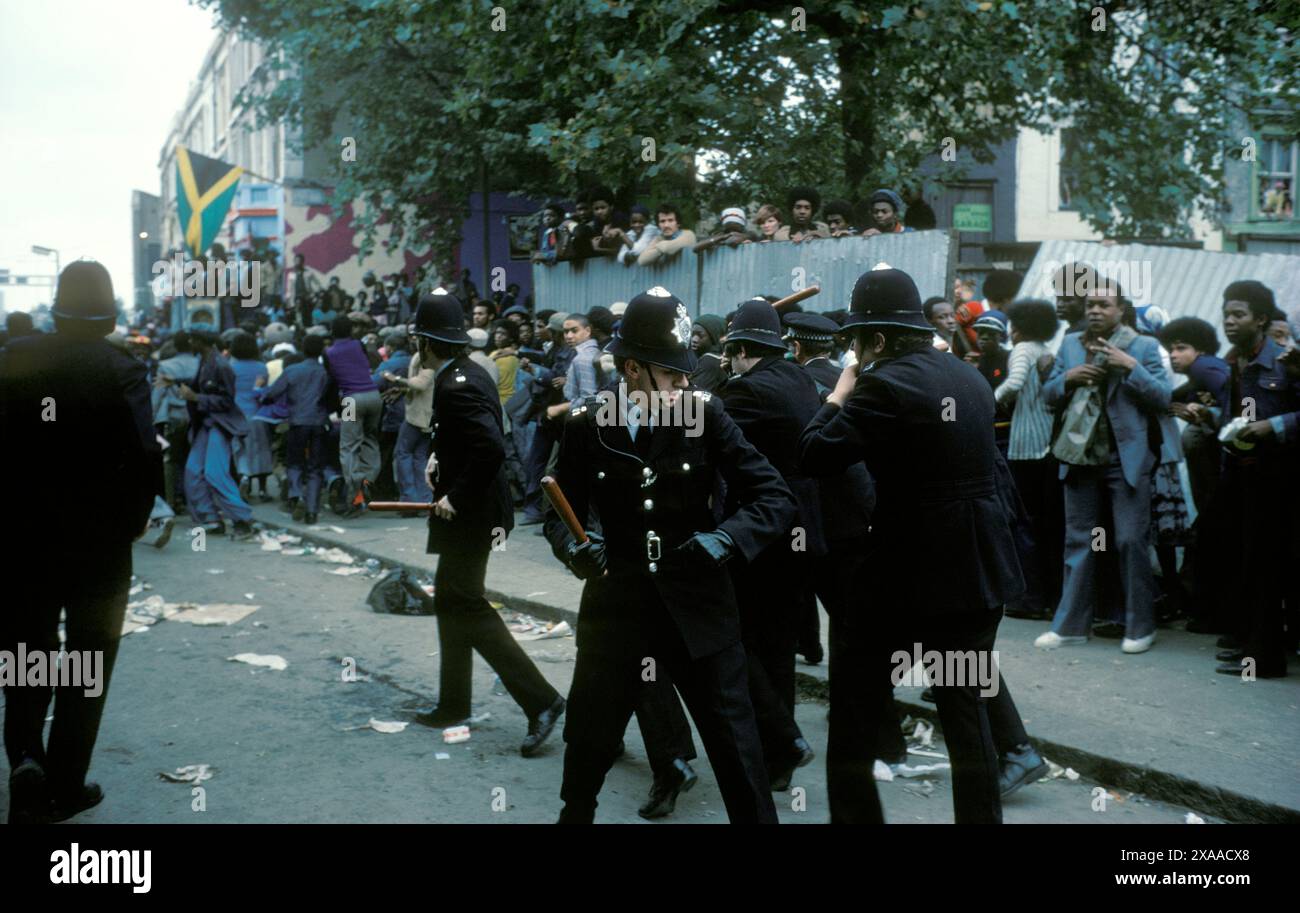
(656, 329)
(439, 316)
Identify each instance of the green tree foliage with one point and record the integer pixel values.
(846, 95)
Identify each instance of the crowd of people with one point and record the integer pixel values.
(1068, 465)
(596, 229)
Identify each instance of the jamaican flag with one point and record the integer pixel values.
(204, 189)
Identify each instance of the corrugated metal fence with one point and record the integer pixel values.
(716, 281)
(1185, 283)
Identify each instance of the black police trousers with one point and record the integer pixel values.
(467, 622)
(663, 725)
(975, 728)
(769, 594)
(607, 678)
(92, 588)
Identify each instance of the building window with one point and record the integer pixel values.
(1069, 165)
(1275, 178)
(257, 195)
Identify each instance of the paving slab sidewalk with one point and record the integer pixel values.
(1160, 723)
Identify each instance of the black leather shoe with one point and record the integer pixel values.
(1230, 656)
(1200, 626)
(243, 530)
(1018, 767)
(540, 728)
(801, 756)
(437, 718)
(663, 793)
(61, 809)
(215, 529)
(813, 656)
(927, 695)
(29, 798)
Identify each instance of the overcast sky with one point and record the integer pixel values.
(88, 89)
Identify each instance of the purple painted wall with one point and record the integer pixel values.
(503, 209)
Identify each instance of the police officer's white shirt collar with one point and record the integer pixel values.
(632, 415)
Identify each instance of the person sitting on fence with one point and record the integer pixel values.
(672, 240)
(804, 203)
(731, 232)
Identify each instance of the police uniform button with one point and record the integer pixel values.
(653, 567)
(649, 505)
(600, 475)
(646, 472)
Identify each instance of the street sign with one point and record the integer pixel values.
(972, 217)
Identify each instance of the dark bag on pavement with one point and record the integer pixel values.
(397, 594)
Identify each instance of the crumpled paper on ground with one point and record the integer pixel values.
(1056, 771)
(334, 556)
(278, 663)
(346, 571)
(214, 613)
(191, 773)
(383, 725)
(545, 631)
(275, 542)
(143, 613)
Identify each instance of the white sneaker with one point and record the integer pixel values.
(1141, 645)
(1051, 640)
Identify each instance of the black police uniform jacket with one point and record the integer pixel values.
(471, 451)
(77, 426)
(923, 424)
(847, 499)
(648, 507)
(772, 403)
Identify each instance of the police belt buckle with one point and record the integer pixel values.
(652, 543)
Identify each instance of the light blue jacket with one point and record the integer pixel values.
(1132, 401)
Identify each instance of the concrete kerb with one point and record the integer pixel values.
(1168, 787)
(1156, 784)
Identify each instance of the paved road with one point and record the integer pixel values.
(284, 747)
(1163, 718)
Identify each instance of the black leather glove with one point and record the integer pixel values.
(588, 559)
(707, 549)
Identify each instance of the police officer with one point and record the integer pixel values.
(471, 515)
(772, 400)
(811, 340)
(847, 500)
(655, 594)
(664, 728)
(923, 423)
(77, 424)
